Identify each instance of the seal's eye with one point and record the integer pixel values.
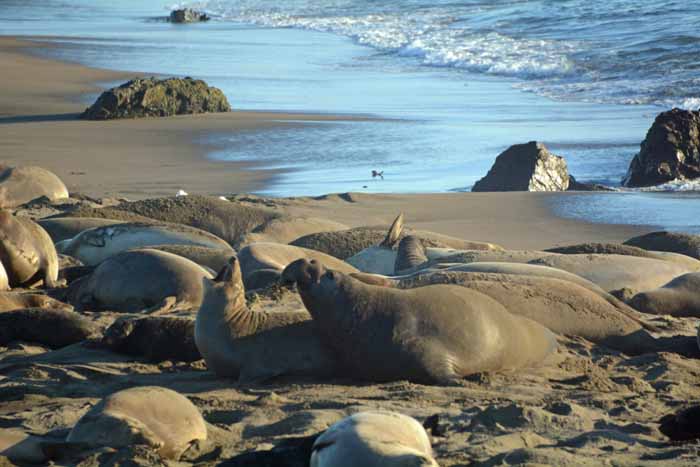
(330, 275)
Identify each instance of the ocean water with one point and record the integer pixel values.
(453, 83)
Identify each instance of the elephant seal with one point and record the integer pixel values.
(157, 338)
(211, 258)
(255, 345)
(563, 307)
(674, 242)
(680, 298)
(433, 334)
(374, 439)
(142, 280)
(52, 328)
(4, 280)
(272, 258)
(410, 255)
(20, 300)
(20, 185)
(153, 416)
(26, 252)
(96, 245)
(65, 228)
(287, 229)
(602, 248)
(614, 272)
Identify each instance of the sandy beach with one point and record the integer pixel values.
(585, 405)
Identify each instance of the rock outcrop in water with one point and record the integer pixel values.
(670, 151)
(526, 167)
(188, 15)
(151, 97)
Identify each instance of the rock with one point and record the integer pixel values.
(188, 15)
(670, 151)
(575, 185)
(151, 97)
(526, 167)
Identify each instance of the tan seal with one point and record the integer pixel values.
(432, 334)
(680, 297)
(255, 345)
(20, 185)
(27, 252)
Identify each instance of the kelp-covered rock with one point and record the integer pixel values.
(151, 97)
(188, 15)
(526, 167)
(670, 151)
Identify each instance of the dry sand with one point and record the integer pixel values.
(588, 406)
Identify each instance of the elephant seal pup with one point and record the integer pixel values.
(614, 272)
(96, 245)
(563, 307)
(65, 228)
(157, 338)
(52, 328)
(20, 300)
(20, 185)
(26, 252)
(153, 416)
(674, 242)
(374, 439)
(433, 334)
(272, 258)
(143, 280)
(255, 345)
(680, 298)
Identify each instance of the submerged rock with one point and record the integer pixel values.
(670, 151)
(188, 15)
(526, 167)
(151, 97)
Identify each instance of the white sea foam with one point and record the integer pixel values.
(674, 185)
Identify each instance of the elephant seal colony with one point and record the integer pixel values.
(159, 343)
(424, 331)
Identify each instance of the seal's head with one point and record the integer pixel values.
(227, 285)
(302, 272)
(318, 286)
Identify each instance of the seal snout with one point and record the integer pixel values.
(229, 272)
(302, 272)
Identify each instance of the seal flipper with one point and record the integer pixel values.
(166, 305)
(394, 234)
(439, 365)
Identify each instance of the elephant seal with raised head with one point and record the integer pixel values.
(255, 345)
(374, 439)
(20, 185)
(149, 415)
(142, 280)
(93, 246)
(27, 252)
(434, 334)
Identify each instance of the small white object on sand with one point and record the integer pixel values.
(181, 193)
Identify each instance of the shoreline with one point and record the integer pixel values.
(157, 157)
(136, 158)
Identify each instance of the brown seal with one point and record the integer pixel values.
(432, 334)
(680, 297)
(255, 345)
(26, 252)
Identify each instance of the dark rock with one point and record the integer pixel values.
(670, 151)
(673, 242)
(526, 167)
(575, 185)
(682, 426)
(151, 97)
(188, 15)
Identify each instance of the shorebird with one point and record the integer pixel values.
(376, 174)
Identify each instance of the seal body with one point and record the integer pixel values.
(65, 228)
(149, 415)
(20, 300)
(614, 272)
(374, 439)
(680, 297)
(255, 345)
(141, 280)
(95, 245)
(19, 185)
(432, 334)
(26, 251)
(52, 328)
